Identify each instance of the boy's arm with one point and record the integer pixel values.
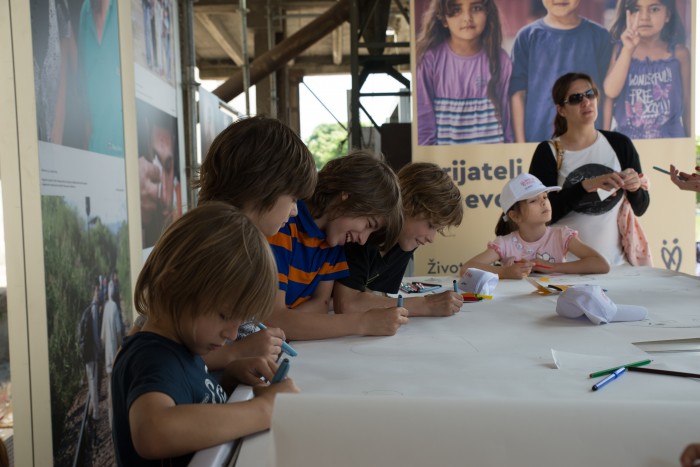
(349, 300)
(517, 109)
(320, 300)
(160, 429)
(310, 326)
(354, 301)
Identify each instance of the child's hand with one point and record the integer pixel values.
(630, 36)
(551, 267)
(250, 370)
(264, 343)
(444, 304)
(286, 385)
(690, 455)
(383, 321)
(518, 270)
(631, 178)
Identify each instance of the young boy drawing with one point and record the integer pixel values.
(356, 195)
(208, 272)
(261, 166)
(431, 204)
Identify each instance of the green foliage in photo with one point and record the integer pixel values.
(75, 254)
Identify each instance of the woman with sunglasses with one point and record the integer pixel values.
(598, 172)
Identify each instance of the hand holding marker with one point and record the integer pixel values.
(683, 179)
(281, 372)
(286, 348)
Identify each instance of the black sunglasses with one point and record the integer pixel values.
(576, 99)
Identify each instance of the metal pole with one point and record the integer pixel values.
(355, 129)
(246, 65)
(190, 87)
(273, 75)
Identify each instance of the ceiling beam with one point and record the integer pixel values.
(288, 49)
(222, 37)
(232, 6)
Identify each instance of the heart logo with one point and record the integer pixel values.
(672, 258)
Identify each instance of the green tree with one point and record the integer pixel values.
(327, 141)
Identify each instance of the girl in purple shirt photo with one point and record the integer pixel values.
(463, 75)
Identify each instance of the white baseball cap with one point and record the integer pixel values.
(522, 187)
(478, 282)
(590, 300)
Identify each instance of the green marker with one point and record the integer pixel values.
(613, 369)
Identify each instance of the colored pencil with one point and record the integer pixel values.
(664, 372)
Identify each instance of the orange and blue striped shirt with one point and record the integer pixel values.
(304, 258)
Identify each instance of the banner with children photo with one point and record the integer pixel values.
(484, 75)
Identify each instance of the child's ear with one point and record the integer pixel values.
(344, 196)
(513, 215)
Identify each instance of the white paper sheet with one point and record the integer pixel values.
(343, 431)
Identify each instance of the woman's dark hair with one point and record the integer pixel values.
(560, 92)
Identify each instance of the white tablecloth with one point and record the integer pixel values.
(498, 354)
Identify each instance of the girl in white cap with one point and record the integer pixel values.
(525, 242)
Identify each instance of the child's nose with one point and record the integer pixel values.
(230, 332)
(363, 237)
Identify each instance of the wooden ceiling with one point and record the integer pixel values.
(219, 44)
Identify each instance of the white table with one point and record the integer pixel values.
(493, 361)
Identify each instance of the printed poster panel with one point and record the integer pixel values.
(84, 218)
(459, 102)
(161, 161)
(158, 158)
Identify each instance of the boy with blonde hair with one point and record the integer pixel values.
(208, 272)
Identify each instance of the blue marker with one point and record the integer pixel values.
(454, 286)
(399, 301)
(612, 376)
(666, 172)
(286, 348)
(281, 372)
